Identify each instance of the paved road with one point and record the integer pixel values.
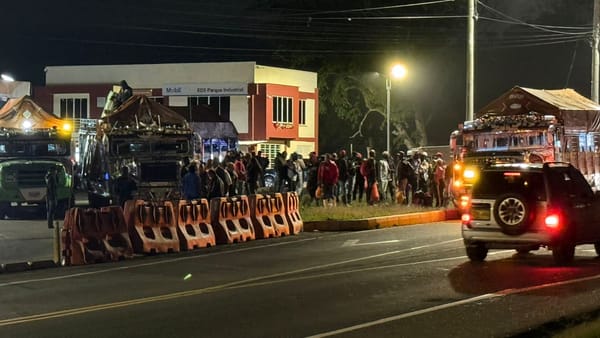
(411, 281)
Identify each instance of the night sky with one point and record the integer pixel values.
(531, 43)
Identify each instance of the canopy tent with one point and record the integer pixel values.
(221, 130)
(141, 110)
(16, 111)
(573, 110)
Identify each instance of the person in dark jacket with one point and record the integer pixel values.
(125, 186)
(344, 178)
(191, 184)
(359, 180)
(125, 93)
(312, 180)
(254, 172)
(370, 171)
(216, 188)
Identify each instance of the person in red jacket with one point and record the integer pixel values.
(328, 176)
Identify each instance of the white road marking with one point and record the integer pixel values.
(502, 293)
(354, 242)
(241, 284)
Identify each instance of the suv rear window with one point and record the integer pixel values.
(494, 183)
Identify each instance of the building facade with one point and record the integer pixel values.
(272, 109)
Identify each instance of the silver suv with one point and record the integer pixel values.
(527, 206)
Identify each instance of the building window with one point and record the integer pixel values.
(282, 109)
(302, 112)
(72, 106)
(217, 104)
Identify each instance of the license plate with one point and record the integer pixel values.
(481, 214)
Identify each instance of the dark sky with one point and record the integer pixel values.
(532, 43)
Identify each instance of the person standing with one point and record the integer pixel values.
(300, 167)
(328, 176)
(439, 183)
(312, 179)
(264, 165)
(125, 186)
(242, 176)
(254, 171)
(370, 173)
(344, 191)
(51, 198)
(216, 188)
(383, 177)
(359, 179)
(191, 184)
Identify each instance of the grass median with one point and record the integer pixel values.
(358, 210)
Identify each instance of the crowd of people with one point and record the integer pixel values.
(414, 178)
(328, 180)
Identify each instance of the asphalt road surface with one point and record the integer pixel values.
(412, 281)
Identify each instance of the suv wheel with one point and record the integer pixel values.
(476, 252)
(563, 253)
(511, 213)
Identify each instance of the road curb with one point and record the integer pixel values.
(383, 221)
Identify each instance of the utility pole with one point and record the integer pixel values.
(595, 52)
(471, 60)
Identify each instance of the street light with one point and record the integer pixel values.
(398, 71)
(7, 78)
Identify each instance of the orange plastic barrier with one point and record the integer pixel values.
(152, 226)
(94, 235)
(193, 224)
(292, 212)
(231, 219)
(275, 205)
(261, 217)
(116, 238)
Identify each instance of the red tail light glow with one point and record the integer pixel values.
(466, 220)
(552, 221)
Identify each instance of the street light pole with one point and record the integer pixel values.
(388, 88)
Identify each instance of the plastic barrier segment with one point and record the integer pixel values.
(152, 226)
(292, 212)
(259, 214)
(193, 224)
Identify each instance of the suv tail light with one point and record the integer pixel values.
(552, 221)
(466, 220)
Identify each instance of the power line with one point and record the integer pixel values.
(521, 22)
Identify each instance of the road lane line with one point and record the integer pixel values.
(242, 284)
(165, 261)
(131, 267)
(502, 293)
(246, 283)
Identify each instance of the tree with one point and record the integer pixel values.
(354, 99)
